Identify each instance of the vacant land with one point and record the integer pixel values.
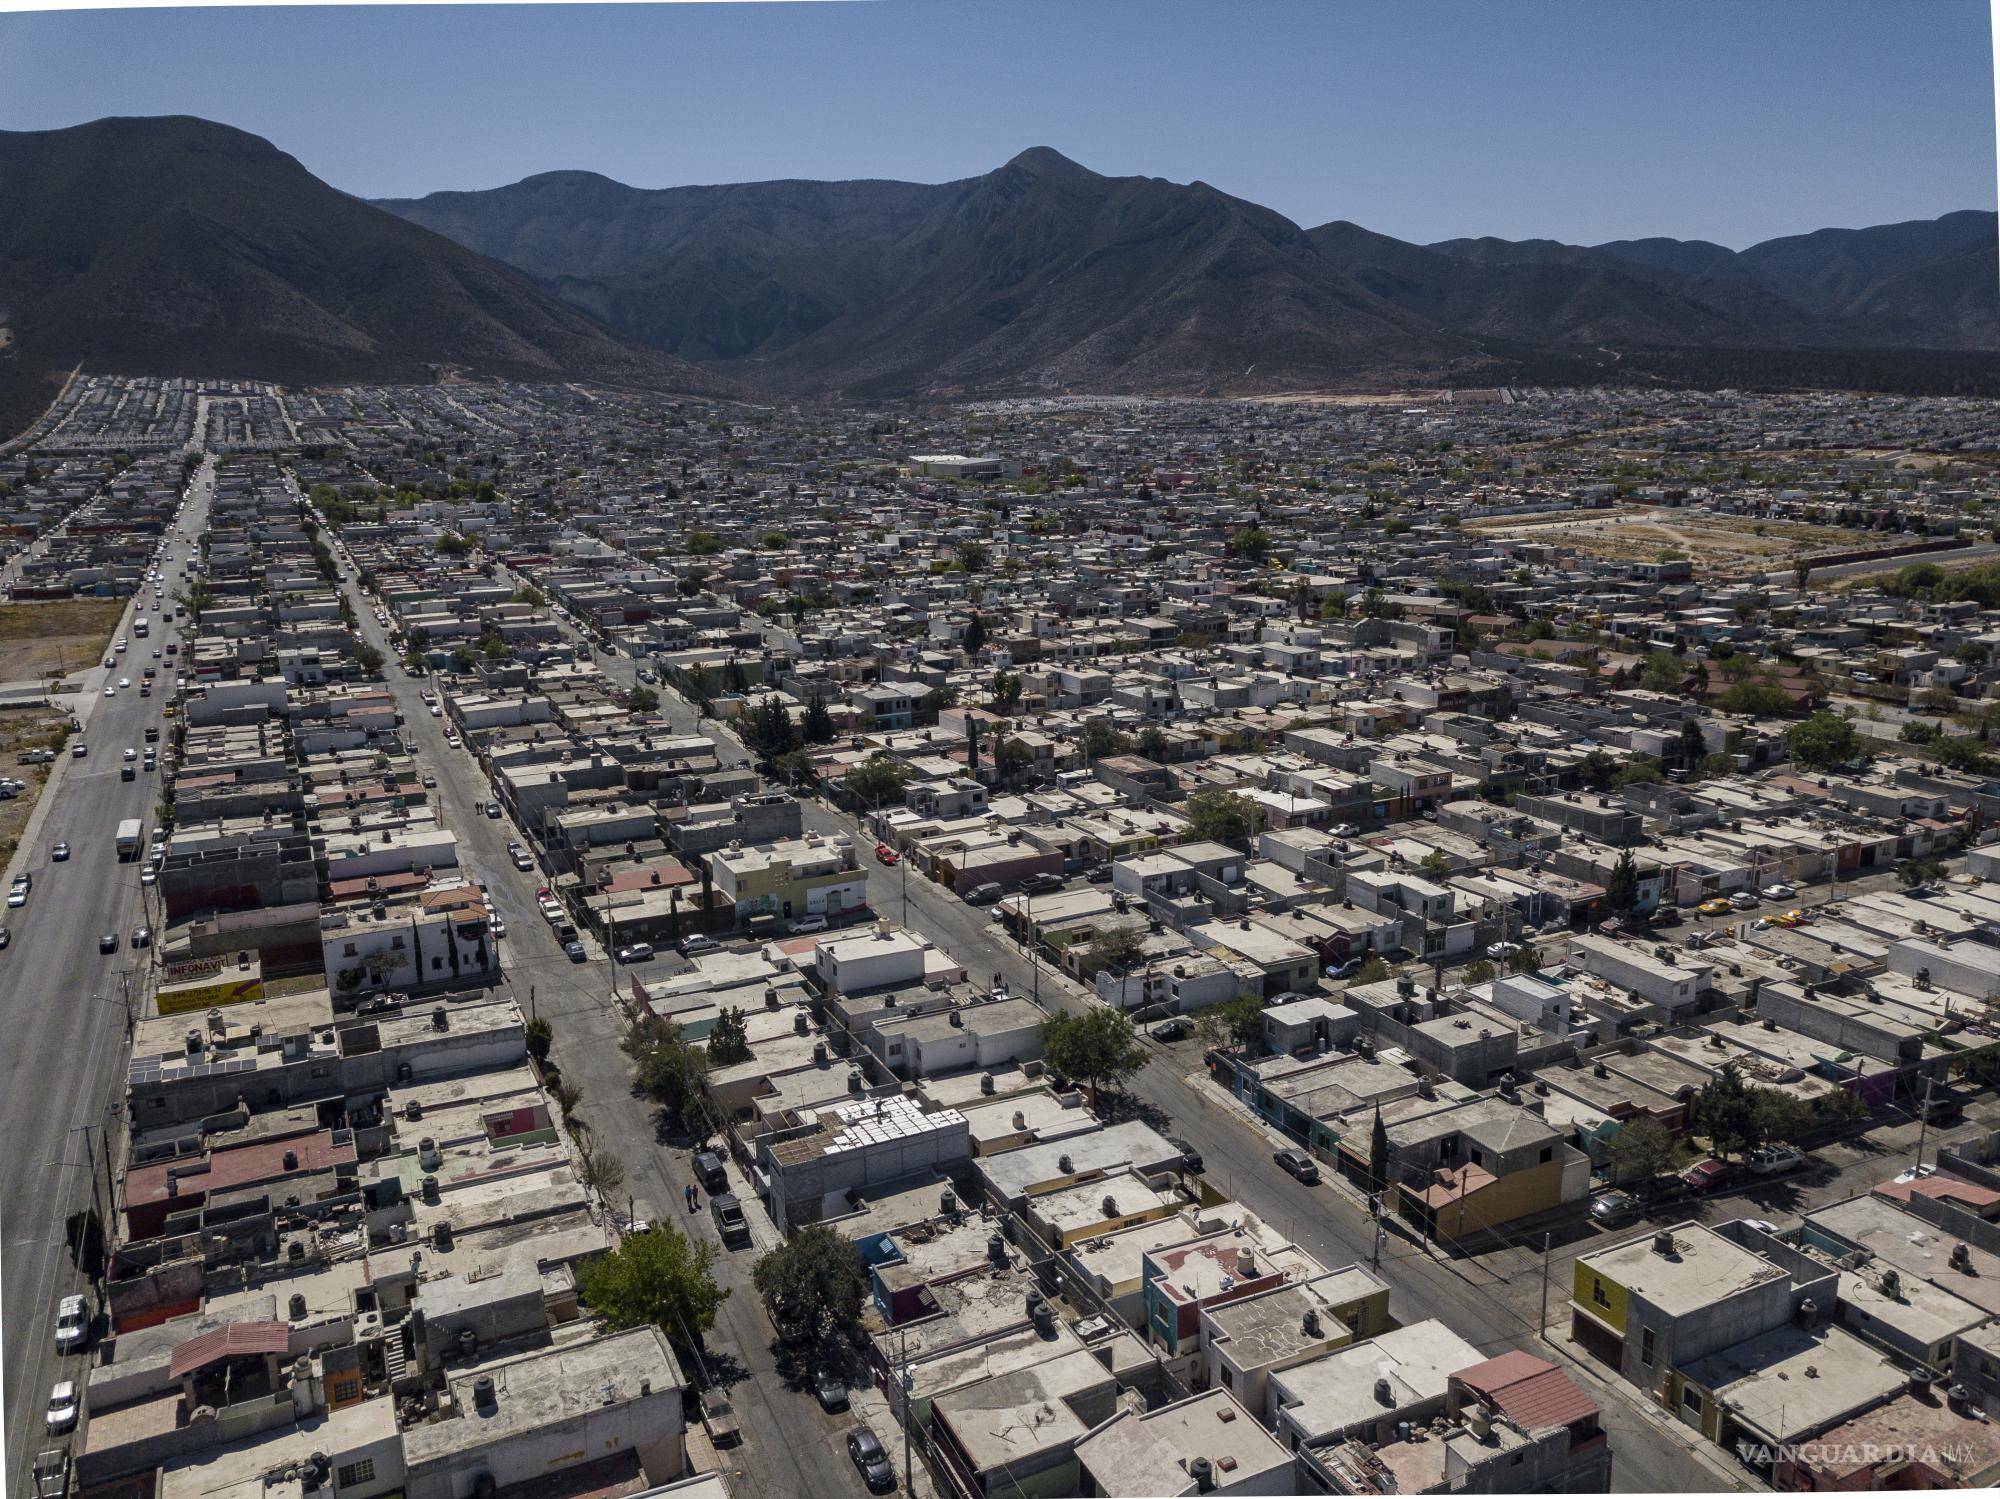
(23, 729)
(1644, 533)
(41, 639)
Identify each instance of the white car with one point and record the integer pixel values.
(130, 754)
(110, 690)
(72, 1324)
(499, 927)
(124, 681)
(63, 1405)
(1770, 1160)
(437, 712)
(1780, 892)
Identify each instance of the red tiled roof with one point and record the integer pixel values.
(236, 1165)
(237, 1340)
(1944, 1188)
(1529, 1391)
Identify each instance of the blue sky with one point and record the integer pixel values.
(1731, 121)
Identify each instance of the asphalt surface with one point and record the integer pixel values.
(63, 1009)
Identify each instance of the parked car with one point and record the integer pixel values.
(63, 1407)
(1190, 1157)
(1716, 907)
(1300, 1165)
(637, 952)
(830, 1390)
(1707, 1174)
(983, 895)
(1346, 969)
(1770, 1160)
(523, 861)
(1780, 892)
(1169, 1030)
(1042, 884)
(72, 1324)
(885, 854)
(729, 1220)
(1743, 900)
(1614, 1208)
(698, 943)
(718, 1418)
(1098, 874)
(711, 1170)
(574, 952)
(864, 1449)
(1499, 950)
(807, 924)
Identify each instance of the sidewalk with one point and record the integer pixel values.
(870, 1408)
(1605, 1389)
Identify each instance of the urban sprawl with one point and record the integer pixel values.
(571, 944)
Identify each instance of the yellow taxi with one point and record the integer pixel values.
(1792, 918)
(1716, 907)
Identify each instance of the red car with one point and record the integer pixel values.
(1705, 1174)
(885, 854)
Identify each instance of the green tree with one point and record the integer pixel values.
(1006, 691)
(1694, 744)
(1644, 1150)
(974, 638)
(1725, 1110)
(1218, 816)
(1153, 742)
(1252, 542)
(1915, 872)
(1372, 971)
(1621, 890)
(1760, 699)
(1237, 1022)
(702, 544)
(530, 595)
(972, 556)
(659, 1279)
(1012, 758)
(669, 1067)
(878, 779)
(1117, 948)
(1662, 672)
(812, 1286)
(776, 541)
(644, 699)
(539, 1036)
(1479, 971)
(1099, 739)
(1379, 1162)
(818, 727)
(1822, 742)
(1436, 864)
(1098, 1048)
(728, 1039)
(451, 544)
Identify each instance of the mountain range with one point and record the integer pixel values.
(175, 245)
(178, 246)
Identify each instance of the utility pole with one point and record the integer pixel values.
(531, 1003)
(905, 1380)
(1924, 1119)
(1542, 1327)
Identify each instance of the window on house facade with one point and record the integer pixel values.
(1597, 1293)
(1548, 1153)
(1646, 1342)
(357, 1472)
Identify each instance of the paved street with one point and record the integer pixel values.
(62, 1006)
(790, 1447)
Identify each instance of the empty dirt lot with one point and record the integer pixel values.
(1644, 533)
(40, 638)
